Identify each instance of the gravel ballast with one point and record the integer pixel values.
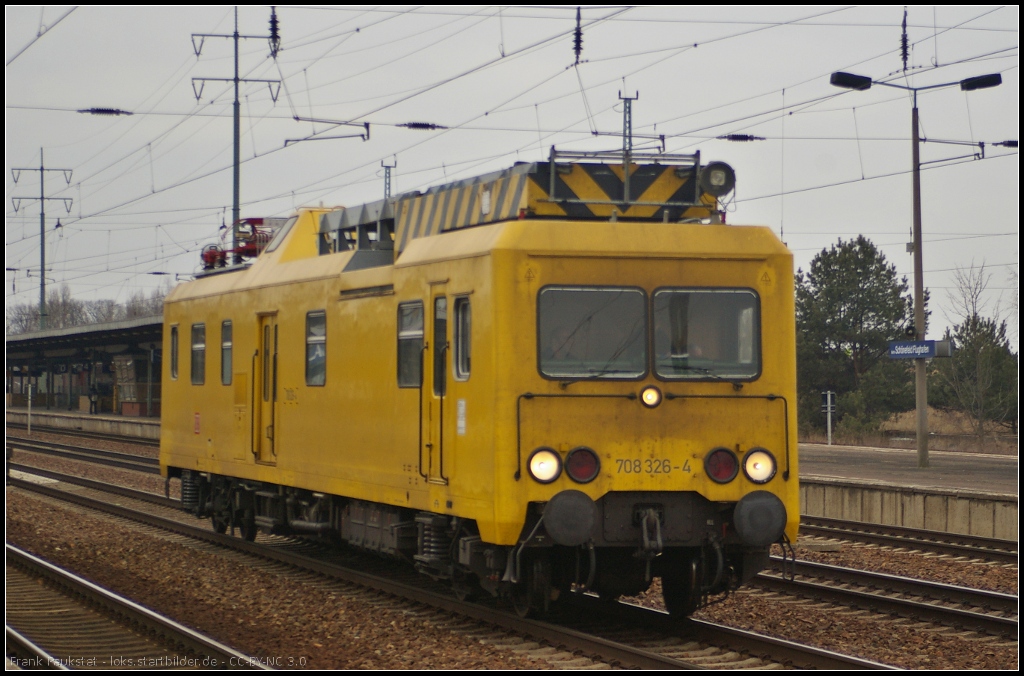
(273, 615)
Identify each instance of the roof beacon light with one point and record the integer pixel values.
(717, 179)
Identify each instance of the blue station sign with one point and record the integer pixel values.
(918, 349)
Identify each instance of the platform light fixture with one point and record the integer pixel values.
(861, 83)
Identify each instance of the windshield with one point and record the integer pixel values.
(706, 333)
(592, 332)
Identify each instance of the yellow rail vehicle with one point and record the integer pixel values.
(547, 379)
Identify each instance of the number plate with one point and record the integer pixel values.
(650, 466)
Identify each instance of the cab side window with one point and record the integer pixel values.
(198, 354)
(440, 345)
(174, 352)
(316, 348)
(462, 334)
(410, 344)
(225, 352)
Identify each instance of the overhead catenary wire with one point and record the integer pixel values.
(348, 177)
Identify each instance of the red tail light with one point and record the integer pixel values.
(721, 465)
(582, 465)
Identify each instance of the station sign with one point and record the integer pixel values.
(918, 349)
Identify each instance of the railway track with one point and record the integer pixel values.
(673, 645)
(961, 607)
(898, 537)
(143, 441)
(56, 619)
(93, 455)
(144, 496)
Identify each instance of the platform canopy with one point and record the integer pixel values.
(85, 342)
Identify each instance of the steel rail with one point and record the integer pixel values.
(740, 640)
(566, 638)
(928, 611)
(955, 544)
(123, 491)
(132, 613)
(21, 647)
(121, 438)
(572, 640)
(898, 584)
(93, 455)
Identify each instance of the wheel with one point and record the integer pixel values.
(521, 600)
(247, 525)
(245, 515)
(220, 508)
(220, 524)
(464, 586)
(679, 588)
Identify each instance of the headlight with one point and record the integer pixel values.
(582, 465)
(544, 465)
(721, 465)
(650, 396)
(759, 465)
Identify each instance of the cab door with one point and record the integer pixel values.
(436, 408)
(265, 386)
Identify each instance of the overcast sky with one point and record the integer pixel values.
(148, 191)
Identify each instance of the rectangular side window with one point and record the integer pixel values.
(440, 345)
(266, 362)
(463, 325)
(174, 352)
(198, 354)
(316, 348)
(410, 344)
(225, 352)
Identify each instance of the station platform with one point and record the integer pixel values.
(969, 493)
(966, 493)
(105, 423)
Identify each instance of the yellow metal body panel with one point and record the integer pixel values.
(362, 436)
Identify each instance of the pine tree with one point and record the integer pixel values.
(849, 305)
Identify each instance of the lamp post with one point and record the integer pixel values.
(860, 83)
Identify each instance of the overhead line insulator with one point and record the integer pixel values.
(577, 40)
(105, 111)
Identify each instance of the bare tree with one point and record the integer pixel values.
(141, 305)
(1014, 311)
(966, 298)
(21, 318)
(102, 311)
(63, 311)
(981, 376)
